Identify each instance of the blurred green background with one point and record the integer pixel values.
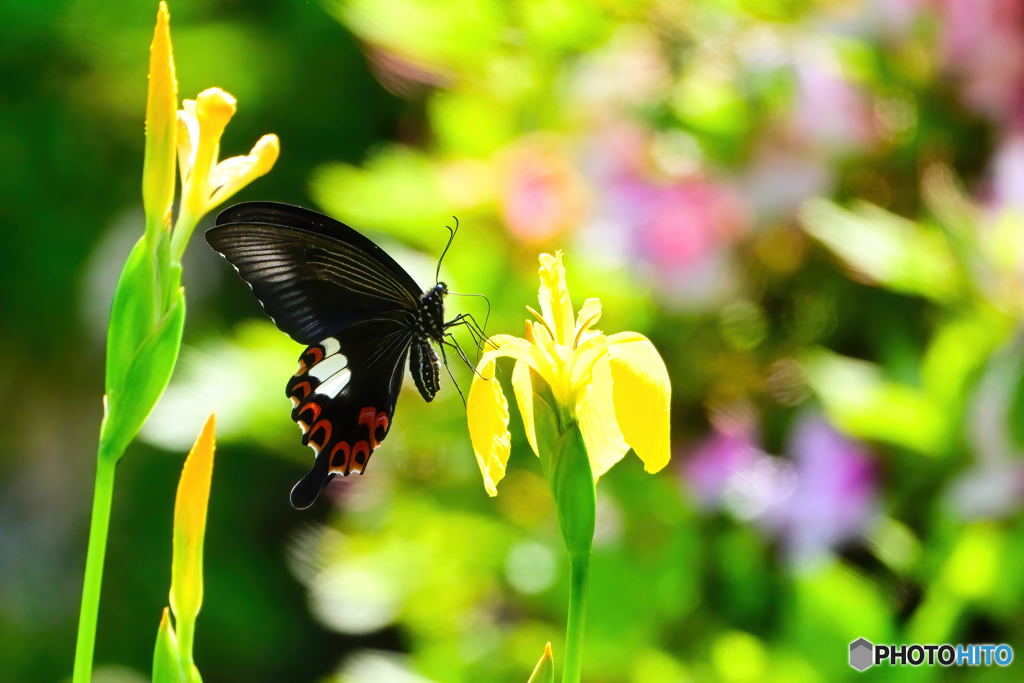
(814, 209)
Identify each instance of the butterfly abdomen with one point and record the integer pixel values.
(425, 370)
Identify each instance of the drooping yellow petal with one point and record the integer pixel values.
(190, 507)
(595, 411)
(524, 398)
(642, 393)
(554, 298)
(487, 414)
(231, 175)
(161, 128)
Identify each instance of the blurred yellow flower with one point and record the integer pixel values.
(205, 181)
(615, 387)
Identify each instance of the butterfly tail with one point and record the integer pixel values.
(304, 493)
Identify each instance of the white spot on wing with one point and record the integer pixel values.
(331, 346)
(333, 386)
(329, 366)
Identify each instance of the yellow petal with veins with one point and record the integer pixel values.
(582, 361)
(161, 128)
(595, 411)
(587, 318)
(554, 298)
(190, 507)
(642, 394)
(487, 414)
(524, 398)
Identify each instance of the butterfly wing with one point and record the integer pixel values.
(329, 287)
(343, 397)
(313, 275)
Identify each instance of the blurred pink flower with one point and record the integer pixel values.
(539, 193)
(983, 44)
(676, 226)
(830, 112)
(1008, 174)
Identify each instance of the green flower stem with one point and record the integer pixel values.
(579, 577)
(100, 525)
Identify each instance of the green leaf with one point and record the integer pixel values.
(545, 670)
(145, 379)
(133, 312)
(166, 665)
(896, 253)
(861, 401)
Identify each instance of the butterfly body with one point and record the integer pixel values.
(360, 315)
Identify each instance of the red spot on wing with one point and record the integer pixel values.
(360, 454)
(315, 407)
(373, 421)
(324, 425)
(381, 421)
(305, 387)
(339, 464)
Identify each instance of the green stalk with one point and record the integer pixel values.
(98, 528)
(579, 574)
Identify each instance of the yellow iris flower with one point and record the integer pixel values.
(615, 387)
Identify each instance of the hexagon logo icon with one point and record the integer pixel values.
(861, 654)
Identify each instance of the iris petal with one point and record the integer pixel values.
(487, 414)
(642, 394)
(554, 297)
(595, 411)
(524, 397)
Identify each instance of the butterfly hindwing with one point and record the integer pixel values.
(343, 396)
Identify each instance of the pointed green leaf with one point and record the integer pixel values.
(145, 379)
(545, 670)
(166, 666)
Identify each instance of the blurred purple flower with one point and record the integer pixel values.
(823, 496)
(714, 462)
(835, 495)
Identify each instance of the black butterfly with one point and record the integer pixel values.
(360, 314)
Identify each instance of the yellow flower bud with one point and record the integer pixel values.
(161, 129)
(190, 507)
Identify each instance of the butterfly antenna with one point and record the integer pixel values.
(437, 275)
